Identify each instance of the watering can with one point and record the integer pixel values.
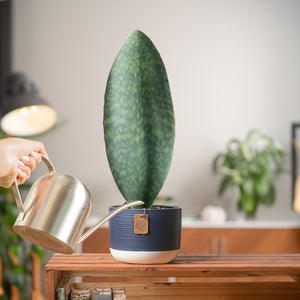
(56, 210)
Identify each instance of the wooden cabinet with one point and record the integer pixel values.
(219, 241)
(240, 241)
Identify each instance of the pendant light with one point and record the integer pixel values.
(24, 113)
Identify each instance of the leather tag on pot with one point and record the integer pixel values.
(141, 224)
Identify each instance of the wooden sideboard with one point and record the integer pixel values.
(219, 241)
(202, 275)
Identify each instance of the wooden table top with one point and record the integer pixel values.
(202, 265)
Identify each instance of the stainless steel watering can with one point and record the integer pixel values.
(56, 210)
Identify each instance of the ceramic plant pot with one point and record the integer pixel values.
(160, 245)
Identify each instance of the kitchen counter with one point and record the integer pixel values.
(193, 222)
(188, 222)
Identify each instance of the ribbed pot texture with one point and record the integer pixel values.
(164, 230)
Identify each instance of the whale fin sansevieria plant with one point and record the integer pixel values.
(139, 125)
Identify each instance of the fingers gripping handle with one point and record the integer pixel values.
(16, 191)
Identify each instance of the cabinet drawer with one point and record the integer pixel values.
(240, 241)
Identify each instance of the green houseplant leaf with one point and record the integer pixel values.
(249, 167)
(139, 125)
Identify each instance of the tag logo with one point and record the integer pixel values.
(141, 224)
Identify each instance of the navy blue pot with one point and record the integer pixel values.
(160, 245)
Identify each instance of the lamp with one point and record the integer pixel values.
(24, 113)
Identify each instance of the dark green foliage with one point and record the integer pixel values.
(139, 123)
(250, 166)
(15, 253)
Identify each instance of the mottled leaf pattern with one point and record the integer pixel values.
(139, 126)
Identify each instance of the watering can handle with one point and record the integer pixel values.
(16, 191)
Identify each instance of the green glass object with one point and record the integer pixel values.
(139, 123)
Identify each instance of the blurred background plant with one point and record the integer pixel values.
(249, 167)
(15, 253)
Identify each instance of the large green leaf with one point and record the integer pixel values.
(139, 126)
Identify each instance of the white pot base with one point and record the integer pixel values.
(144, 257)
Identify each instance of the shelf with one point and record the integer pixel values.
(196, 275)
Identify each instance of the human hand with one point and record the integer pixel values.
(18, 158)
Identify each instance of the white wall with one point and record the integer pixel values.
(232, 65)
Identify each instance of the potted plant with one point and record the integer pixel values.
(139, 131)
(249, 167)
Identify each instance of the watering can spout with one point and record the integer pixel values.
(108, 217)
